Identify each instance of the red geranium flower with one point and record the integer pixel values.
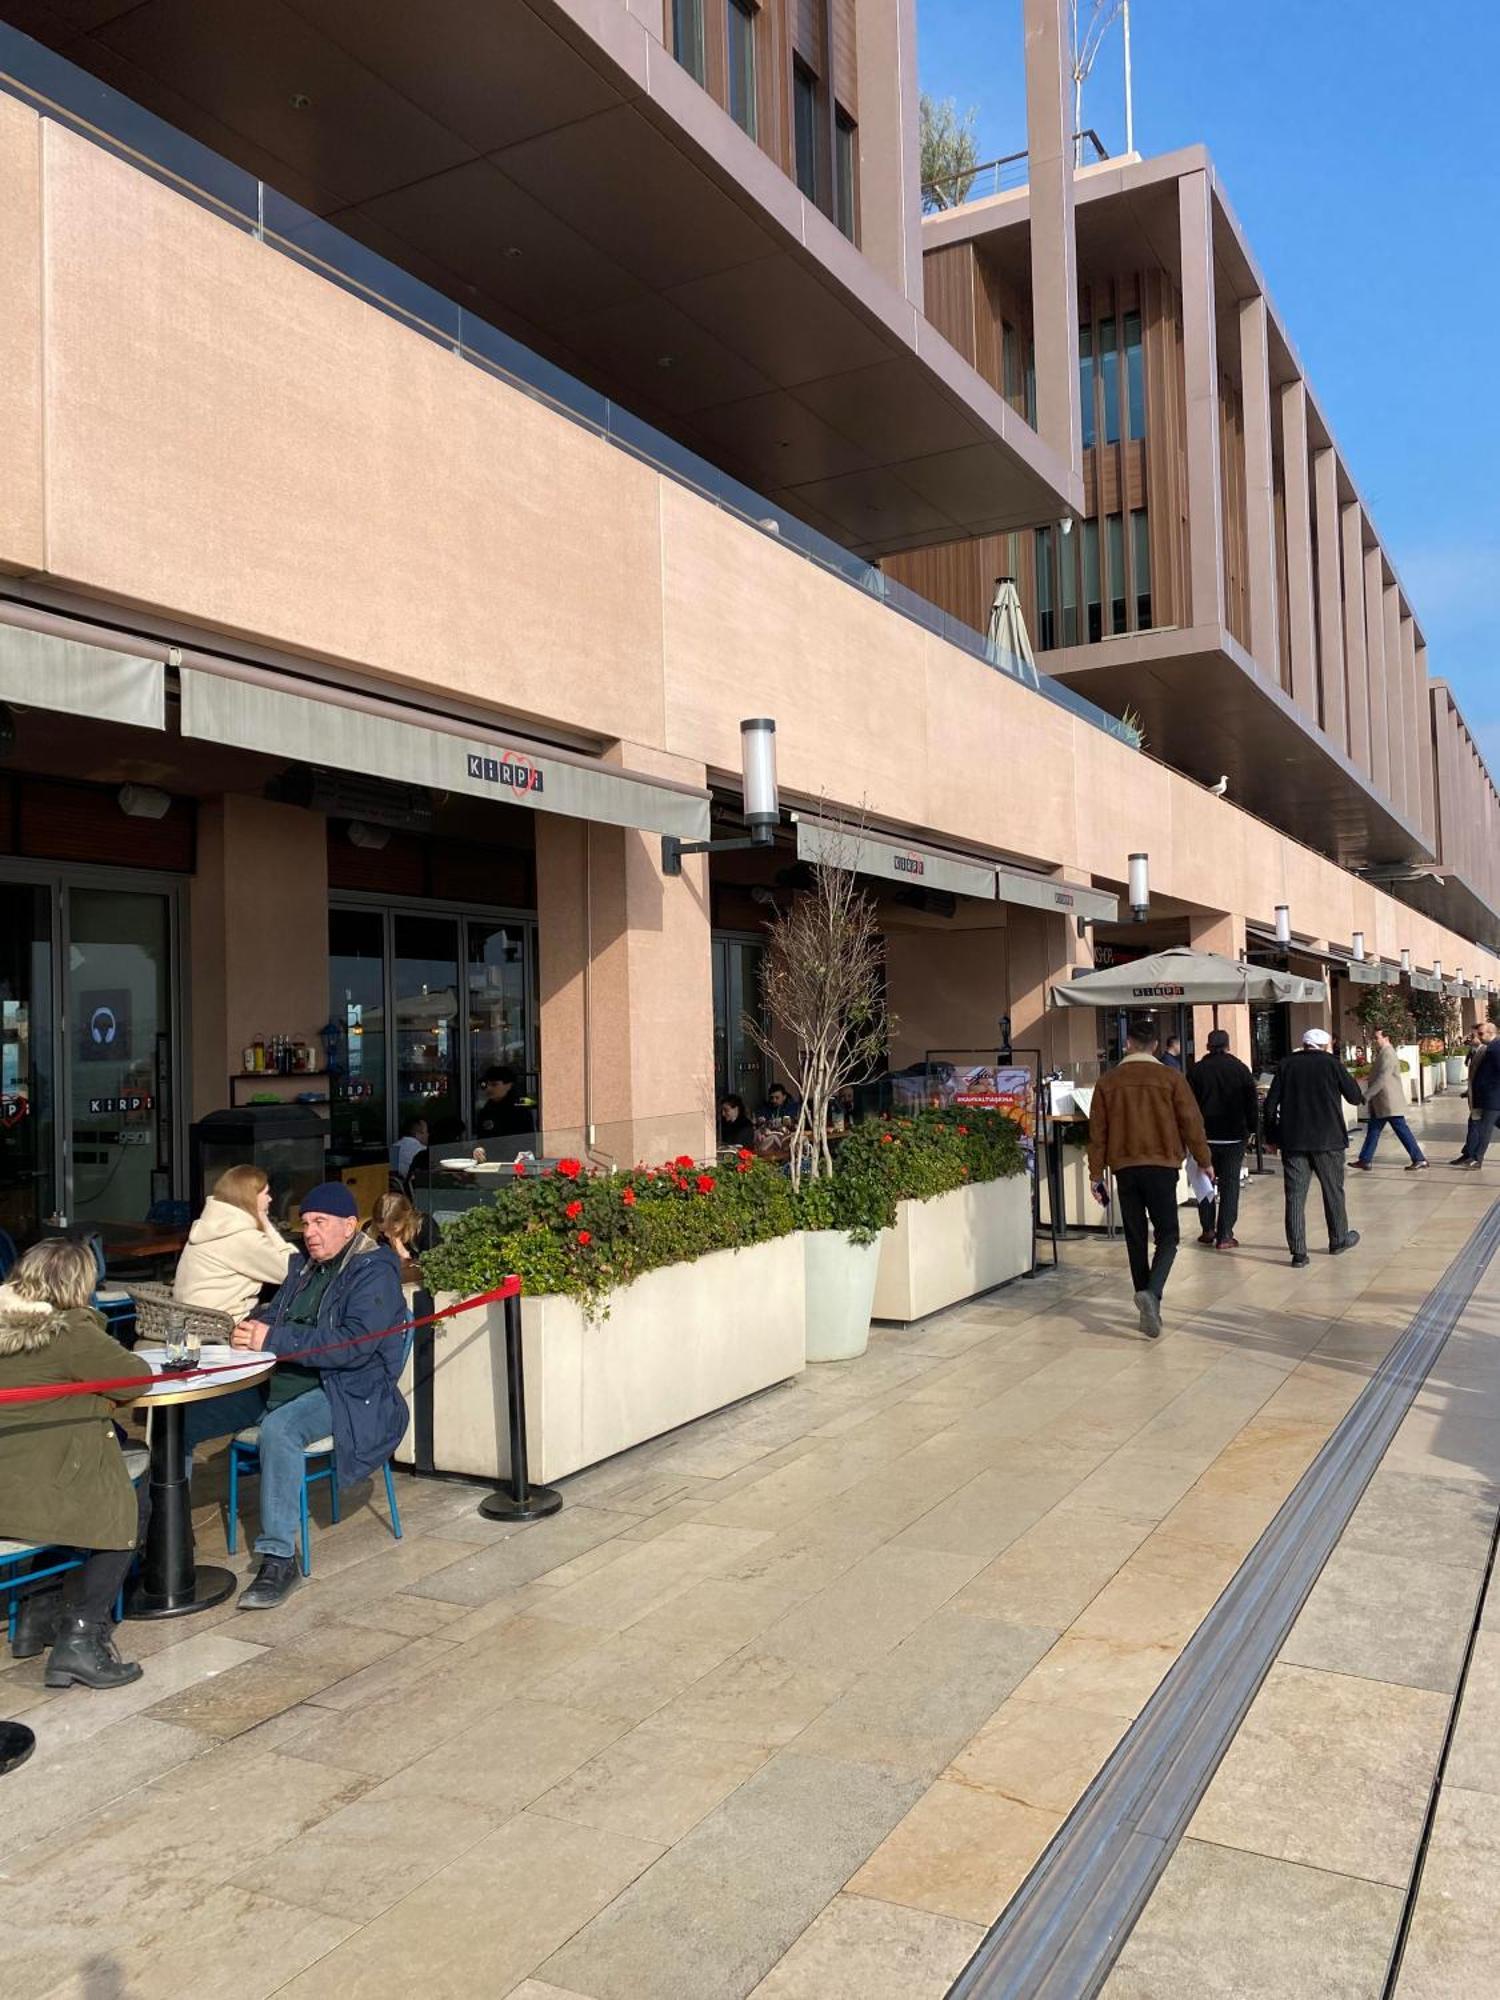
(628, 1197)
(745, 1153)
(683, 1160)
(706, 1183)
(584, 1237)
(742, 1166)
(519, 1167)
(569, 1169)
(963, 1131)
(886, 1139)
(573, 1210)
(651, 1173)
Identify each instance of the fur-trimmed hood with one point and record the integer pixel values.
(26, 1325)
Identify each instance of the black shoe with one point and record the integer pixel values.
(1148, 1308)
(37, 1623)
(1207, 1238)
(1337, 1249)
(1300, 1262)
(275, 1581)
(1461, 1161)
(85, 1656)
(1363, 1166)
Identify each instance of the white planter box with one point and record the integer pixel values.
(952, 1247)
(840, 1294)
(678, 1344)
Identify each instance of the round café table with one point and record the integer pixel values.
(171, 1584)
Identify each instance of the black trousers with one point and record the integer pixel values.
(1149, 1195)
(90, 1592)
(1481, 1130)
(1297, 1171)
(1228, 1159)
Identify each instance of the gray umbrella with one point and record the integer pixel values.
(1186, 979)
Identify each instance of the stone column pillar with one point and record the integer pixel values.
(1299, 568)
(1330, 598)
(1356, 658)
(1200, 350)
(947, 987)
(1221, 932)
(1043, 950)
(1260, 508)
(1054, 256)
(1380, 738)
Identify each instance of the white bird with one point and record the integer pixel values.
(1221, 788)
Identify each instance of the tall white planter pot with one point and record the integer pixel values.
(840, 1294)
(1458, 1071)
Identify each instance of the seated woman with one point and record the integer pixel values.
(735, 1126)
(406, 1230)
(234, 1248)
(62, 1473)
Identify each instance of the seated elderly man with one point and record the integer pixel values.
(342, 1286)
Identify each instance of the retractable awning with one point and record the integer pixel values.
(379, 740)
(890, 859)
(1366, 972)
(1425, 982)
(78, 677)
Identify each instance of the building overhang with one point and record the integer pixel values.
(1445, 897)
(548, 166)
(1207, 711)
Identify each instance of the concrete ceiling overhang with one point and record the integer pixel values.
(1207, 712)
(547, 165)
(1448, 899)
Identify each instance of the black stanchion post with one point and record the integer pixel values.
(16, 1745)
(522, 1501)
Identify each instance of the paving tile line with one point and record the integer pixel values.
(1060, 1935)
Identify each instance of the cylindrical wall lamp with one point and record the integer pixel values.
(1437, 968)
(1359, 947)
(758, 760)
(1140, 886)
(1283, 924)
(1406, 958)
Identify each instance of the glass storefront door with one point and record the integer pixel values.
(738, 1064)
(356, 978)
(499, 1003)
(28, 1167)
(425, 991)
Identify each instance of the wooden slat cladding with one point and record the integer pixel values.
(1166, 446)
(948, 295)
(845, 63)
(1236, 541)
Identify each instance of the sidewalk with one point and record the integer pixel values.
(786, 1704)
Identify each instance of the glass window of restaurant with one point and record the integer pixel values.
(425, 1001)
(739, 1066)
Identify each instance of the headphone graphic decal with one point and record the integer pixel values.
(103, 1026)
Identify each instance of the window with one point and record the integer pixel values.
(1046, 635)
(1117, 595)
(740, 26)
(1091, 605)
(1086, 382)
(843, 160)
(1140, 548)
(1011, 387)
(1109, 369)
(687, 36)
(805, 127)
(1068, 572)
(1135, 378)
(1030, 385)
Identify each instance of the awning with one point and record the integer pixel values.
(43, 670)
(1424, 982)
(864, 852)
(1366, 972)
(377, 740)
(1458, 989)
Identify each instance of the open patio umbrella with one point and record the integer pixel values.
(1185, 979)
(1008, 633)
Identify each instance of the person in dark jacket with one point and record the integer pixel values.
(62, 1474)
(1225, 1091)
(1171, 1053)
(736, 1127)
(1304, 1118)
(344, 1286)
(1484, 1100)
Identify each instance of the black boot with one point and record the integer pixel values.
(37, 1622)
(85, 1656)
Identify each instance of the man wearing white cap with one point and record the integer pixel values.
(1304, 1116)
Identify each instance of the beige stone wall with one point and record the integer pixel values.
(20, 338)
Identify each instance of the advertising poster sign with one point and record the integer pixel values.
(965, 1086)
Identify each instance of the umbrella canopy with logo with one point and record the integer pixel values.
(1008, 636)
(1184, 978)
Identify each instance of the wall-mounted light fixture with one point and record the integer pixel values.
(1283, 924)
(1140, 887)
(362, 834)
(762, 800)
(1406, 958)
(1359, 947)
(144, 802)
(1437, 968)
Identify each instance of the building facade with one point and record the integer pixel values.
(407, 493)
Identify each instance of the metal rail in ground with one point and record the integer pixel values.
(1063, 1930)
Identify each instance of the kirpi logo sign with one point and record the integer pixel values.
(1063, 898)
(1157, 992)
(507, 769)
(909, 864)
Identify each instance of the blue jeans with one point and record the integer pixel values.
(1402, 1131)
(284, 1435)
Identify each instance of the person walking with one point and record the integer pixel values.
(1224, 1090)
(1385, 1099)
(1142, 1121)
(1484, 1099)
(1304, 1118)
(1171, 1053)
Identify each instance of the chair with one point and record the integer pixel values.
(244, 1456)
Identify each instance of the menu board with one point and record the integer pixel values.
(1007, 1088)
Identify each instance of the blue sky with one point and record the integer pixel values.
(1356, 142)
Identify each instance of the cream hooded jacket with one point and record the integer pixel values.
(227, 1260)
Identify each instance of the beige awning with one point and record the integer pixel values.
(889, 858)
(76, 677)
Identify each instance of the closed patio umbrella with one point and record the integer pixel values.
(1008, 635)
(1186, 979)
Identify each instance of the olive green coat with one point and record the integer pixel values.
(62, 1473)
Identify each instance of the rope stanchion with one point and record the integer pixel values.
(520, 1500)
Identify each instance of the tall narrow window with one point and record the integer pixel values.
(1109, 369)
(805, 127)
(1135, 378)
(1031, 385)
(1092, 608)
(1012, 387)
(687, 36)
(843, 160)
(740, 32)
(1067, 569)
(1046, 630)
(1140, 548)
(1117, 593)
(1086, 382)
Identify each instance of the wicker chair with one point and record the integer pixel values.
(155, 1309)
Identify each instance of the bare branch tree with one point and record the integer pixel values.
(824, 999)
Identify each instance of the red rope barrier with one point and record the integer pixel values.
(46, 1392)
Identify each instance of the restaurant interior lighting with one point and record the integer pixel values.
(1140, 887)
(1283, 924)
(762, 799)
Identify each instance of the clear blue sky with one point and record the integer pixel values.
(1357, 141)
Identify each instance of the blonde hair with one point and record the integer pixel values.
(57, 1272)
(242, 1188)
(394, 1216)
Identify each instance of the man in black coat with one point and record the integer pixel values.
(1225, 1091)
(1305, 1119)
(1484, 1098)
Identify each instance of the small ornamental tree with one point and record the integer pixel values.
(949, 149)
(1385, 1007)
(824, 1001)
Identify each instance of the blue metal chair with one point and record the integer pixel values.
(317, 1464)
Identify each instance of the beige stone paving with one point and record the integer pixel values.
(788, 1704)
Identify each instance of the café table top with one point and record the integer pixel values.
(244, 1368)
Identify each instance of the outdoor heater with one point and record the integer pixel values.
(762, 801)
(1283, 924)
(1140, 887)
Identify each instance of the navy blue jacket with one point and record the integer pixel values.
(369, 1410)
(1484, 1084)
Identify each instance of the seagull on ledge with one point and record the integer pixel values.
(1221, 788)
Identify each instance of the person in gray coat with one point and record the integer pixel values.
(1386, 1102)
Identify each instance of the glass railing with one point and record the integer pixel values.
(49, 83)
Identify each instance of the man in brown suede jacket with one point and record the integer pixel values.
(1144, 1119)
